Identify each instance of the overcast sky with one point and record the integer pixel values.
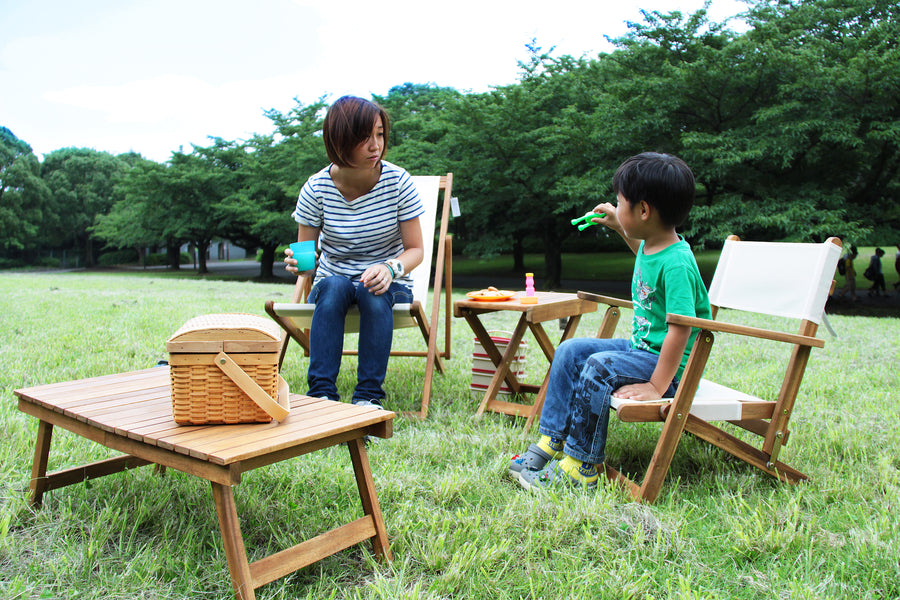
(151, 76)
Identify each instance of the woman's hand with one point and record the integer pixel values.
(305, 233)
(377, 278)
(290, 263)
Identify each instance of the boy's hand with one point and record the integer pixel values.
(638, 391)
(608, 220)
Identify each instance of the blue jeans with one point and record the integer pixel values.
(584, 374)
(333, 297)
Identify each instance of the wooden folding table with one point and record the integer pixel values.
(132, 413)
(551, 306)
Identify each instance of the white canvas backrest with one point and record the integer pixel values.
(775, 278)
(429, 188)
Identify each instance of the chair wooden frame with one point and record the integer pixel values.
(699, 401)
(295, 317)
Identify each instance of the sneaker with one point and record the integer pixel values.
(552, 476)
(375, 403)
(369, 440)
(533, 459)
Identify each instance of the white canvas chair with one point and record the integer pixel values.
(781, 279)
(296, 317)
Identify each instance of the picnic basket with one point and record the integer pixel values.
(224, 369)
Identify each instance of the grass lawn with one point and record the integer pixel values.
(459, 527)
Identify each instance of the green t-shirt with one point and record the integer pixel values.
(666, 282)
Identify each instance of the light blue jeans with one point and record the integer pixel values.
(584, 374)
(333, 297)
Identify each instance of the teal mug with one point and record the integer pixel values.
(305, 255)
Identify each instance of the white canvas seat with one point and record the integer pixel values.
(296, 316)
(712, 402)
(788, 280)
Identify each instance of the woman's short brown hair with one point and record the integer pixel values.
(348, 122)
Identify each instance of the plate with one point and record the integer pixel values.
(491, 295)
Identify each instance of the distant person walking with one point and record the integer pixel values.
(849, 272)
(874, 272)
(897, 266)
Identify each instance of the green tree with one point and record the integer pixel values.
(833, 132)
(81, 182)
(277, 167)
(504, 146)
(136, 217)
(173, 203)
(191, 188)
(23, 197)
(790, 128)
(256, 214)
(419, 126)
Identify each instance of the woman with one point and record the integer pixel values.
(364, 214)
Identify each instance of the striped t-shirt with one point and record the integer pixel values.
(356, 235)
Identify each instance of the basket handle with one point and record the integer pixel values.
(251, 388)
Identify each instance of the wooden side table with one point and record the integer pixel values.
(551, 306)
(132, 413)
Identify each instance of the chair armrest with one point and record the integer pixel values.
(609, 300)
(767, 334)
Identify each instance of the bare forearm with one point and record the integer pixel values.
(609, 219)
(670, 357)
(413, 245)
(411, 258)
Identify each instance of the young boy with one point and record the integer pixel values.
(654, 193)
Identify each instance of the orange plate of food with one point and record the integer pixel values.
(491, 294)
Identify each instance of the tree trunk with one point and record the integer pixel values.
(202, 248)
(518, 257)
(267, 262)
(88, 253)
(174, 254)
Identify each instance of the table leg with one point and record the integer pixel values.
(235, 553)
(369, 497)
(568, 332)
(543, 340)
(39, 482)
(571, 326)
(501, 363)
(538, 404)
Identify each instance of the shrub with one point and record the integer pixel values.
(47, 261)
(118, 257)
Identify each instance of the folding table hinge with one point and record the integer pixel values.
(776, 448)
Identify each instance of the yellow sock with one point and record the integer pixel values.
(552, 446)
(577, 470)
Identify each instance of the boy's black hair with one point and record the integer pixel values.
(663, 181)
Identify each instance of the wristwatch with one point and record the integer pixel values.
(396, 267)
